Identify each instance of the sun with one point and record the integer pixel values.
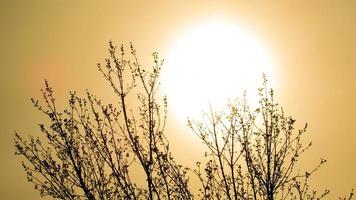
(211, 63)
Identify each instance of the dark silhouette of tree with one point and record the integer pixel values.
(253, 153)
(91, 150)
(93, 147)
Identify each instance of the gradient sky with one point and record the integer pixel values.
(313, 44)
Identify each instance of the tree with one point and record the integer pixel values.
(253, 153)
(91, 149)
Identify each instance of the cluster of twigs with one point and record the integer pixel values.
(253, 153)
(93, 147)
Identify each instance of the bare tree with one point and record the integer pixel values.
(253, 153)
(91, 148)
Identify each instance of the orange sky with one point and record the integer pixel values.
(313, 44)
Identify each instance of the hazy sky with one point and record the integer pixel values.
(313, 44)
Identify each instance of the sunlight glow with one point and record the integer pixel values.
(210, 64)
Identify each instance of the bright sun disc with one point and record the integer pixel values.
(209, 65)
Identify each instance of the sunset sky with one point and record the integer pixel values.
(311, 47)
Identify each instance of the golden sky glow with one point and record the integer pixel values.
(312, 45)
